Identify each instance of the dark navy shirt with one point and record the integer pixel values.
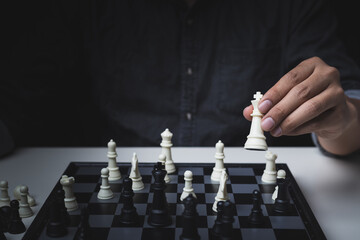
(129, 69)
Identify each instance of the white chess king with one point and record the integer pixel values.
(256, 138)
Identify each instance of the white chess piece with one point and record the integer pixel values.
(24, 208)
(166, 145)
(114, 172)
(222, 194)
(162, 159)
(105, 190)
(269, 175)
(17, 195)
(219, 162)
(137, 183)
(256, 138)
(4, 195)
(70, 199)
(280, 174)
(188, 189)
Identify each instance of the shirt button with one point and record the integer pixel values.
(188, 116)
(189, 71)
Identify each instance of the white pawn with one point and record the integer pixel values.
(17, 195)
(269, 175)
(24, 208)
(70, 199)
(222, 194)
(280, 174)
(114, 172)
(137, 183)
(105, 190)
(256, 138)
(4, 195)
(219, 162)
(166, 145)
(162, 159)
(188, 189)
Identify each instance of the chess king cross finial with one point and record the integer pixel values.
(258, 96)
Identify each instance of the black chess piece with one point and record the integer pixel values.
(2, 235)
(83, 230)
(56, 227)
(128, 212)
(190, 219)
(256, 216)
(282, 202)
(60, 196)
(216, 230)
(227, 220)
(5, 213)
(159, 214)
(16, 226)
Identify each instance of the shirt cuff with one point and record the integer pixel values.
(6, 141)
(353, 93)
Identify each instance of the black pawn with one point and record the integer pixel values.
(5, 213)
(282, 202)
(56, 227)
(83, 231)
(227, 220)
(256, 216)
(217, 225)
(16, 226)
(190, 219)
(159, 214)
(128, 212)
(60, 196)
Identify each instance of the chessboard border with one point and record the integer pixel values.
(311, 224)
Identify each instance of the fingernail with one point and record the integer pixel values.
(265, 106)
(277, 132)
(267, 124)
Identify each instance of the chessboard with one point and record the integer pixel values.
(298, 223)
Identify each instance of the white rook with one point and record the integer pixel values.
(166, 145)
(70, 199)
(114, 172)
(219, 162)
(269, 175)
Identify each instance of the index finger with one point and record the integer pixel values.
(285, 84)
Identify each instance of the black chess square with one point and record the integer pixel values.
(244, 223)
(102, 208)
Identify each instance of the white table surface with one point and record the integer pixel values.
(331, 186)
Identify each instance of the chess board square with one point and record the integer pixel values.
(267, 188)
(146, 178)
(203, 233)
(89, 170)
(253, 233)
(244, 198)
(207, 180)
(94, 199)
(147, 225)
(102, 208)
(243, 179)
(141, 197)
(245, 209)
(201, 221)
(116, 222)
(287, 222)
(196, 179)
(115, 187)
(100, 221)
(259, 171)
(236, 234)
(125, 233)
(170, 197)
(70, 235)
(170, 188)
(267, 198)
(239, 171)
(124, 170)
(292, 211)
(198, 188)
(158, 233)
(244, 223)
(171, 208)
(140, 208)
(200, 208)
(208, 170)
(84, 187)
(98, 233)
(293, 234)
(194, 170)
(87, 178)
(209, 210)
(74, 220)
(83, 197)
(210, 197)
(211, 188)
(146, 189)
(145, 171)
(244, 188)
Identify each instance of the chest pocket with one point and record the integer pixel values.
(242, 72)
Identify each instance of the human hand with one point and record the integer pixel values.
(307, 99)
